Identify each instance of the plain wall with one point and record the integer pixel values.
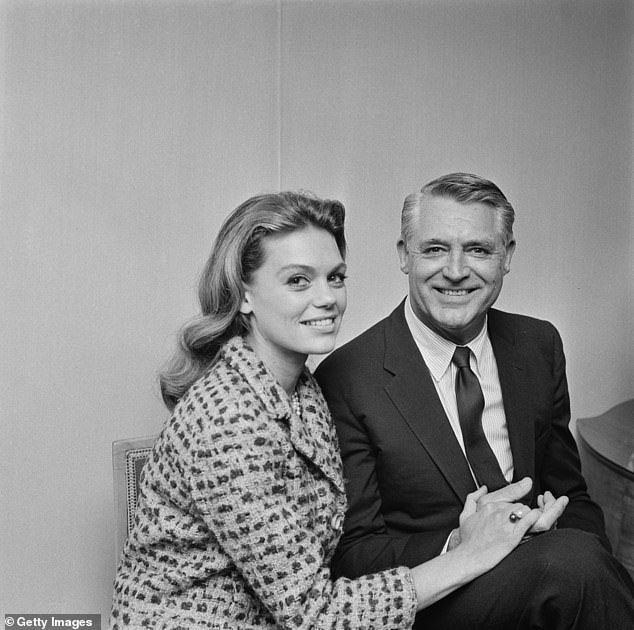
(130, 129)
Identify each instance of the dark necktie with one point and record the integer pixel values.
(470, 405)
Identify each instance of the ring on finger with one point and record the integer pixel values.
(515, 516)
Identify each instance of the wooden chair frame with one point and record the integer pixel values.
(128, 457)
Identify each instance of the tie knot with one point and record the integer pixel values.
(461, 356)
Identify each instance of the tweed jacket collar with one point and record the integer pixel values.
(313, 434)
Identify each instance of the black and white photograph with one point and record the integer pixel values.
(317, 314)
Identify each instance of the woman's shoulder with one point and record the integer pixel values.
(220, 389)
(208, 418)
(235, 388)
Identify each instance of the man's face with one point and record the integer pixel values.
(455, 261)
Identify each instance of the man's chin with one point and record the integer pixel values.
(460, 330)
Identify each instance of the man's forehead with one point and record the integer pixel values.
(448, 213)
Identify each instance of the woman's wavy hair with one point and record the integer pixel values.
(236, 254)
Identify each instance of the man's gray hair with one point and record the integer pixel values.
(463, 188)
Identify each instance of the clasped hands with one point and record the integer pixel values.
(548, 509)
(551, 508)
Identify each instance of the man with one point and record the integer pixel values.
(447, 394)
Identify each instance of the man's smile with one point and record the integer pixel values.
(455, 292)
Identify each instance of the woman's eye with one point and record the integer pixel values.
(298, 281)
(338, 279)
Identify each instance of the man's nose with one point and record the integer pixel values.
(456, 268)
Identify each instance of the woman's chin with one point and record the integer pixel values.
(323, 346)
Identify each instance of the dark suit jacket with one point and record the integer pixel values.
(406, 475)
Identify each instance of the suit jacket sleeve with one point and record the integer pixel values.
(557, 463)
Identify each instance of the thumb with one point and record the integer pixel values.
(511, 493)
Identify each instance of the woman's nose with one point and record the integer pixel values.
(325, 296)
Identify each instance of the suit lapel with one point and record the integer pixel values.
(516, 395)
(413, 393)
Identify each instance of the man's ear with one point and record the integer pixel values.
(510, 250)
(401, 247)
(245, 305)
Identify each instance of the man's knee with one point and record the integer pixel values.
(578, 582)
(560, 579)
(565, 551)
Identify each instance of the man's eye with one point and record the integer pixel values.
(433, 251)
(479, 251)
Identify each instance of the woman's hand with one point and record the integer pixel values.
(488, 533)
(550, 507)
(491, 526)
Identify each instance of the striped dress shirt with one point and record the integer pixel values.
(437, 353)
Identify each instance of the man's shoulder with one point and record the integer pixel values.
(524, 329)
(365, 349)
(367, 341)
(517, 322)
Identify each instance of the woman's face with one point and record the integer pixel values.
(297, 297)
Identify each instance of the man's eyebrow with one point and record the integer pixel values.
(475, 242)
(487, 243)
(431, 241)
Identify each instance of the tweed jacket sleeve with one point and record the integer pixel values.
(266, 490)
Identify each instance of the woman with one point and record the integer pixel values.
(242, 503)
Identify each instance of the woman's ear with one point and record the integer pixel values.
(245, 305)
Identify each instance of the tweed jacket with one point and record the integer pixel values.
(241, 509)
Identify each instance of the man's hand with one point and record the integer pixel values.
(550, 507)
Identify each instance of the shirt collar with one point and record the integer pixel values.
(436, 350)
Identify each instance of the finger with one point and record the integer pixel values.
(550, 514)
(528, 520)
(556, 508)
(471, 502)
(511, 493)
(540, 501)
(523, 517)
(477, 494)
(518, 511)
